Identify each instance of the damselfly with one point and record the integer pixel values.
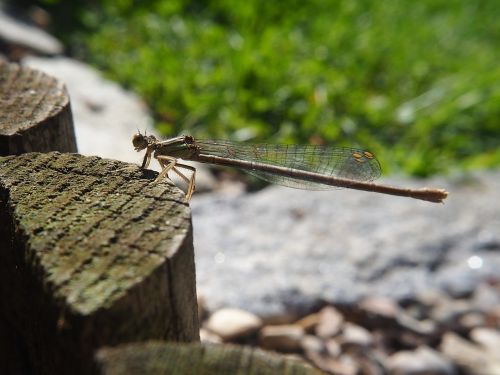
(304, 167)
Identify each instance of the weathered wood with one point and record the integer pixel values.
(209, 359)
(91, 254)
(35, 112)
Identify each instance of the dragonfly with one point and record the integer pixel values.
(310, 167)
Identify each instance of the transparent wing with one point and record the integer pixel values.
(341, 162)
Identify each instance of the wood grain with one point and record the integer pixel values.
(35, 112)
(167, 358)
(91, 254)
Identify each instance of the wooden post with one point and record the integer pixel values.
(94, 256)
(167, 358)
(91, 255)
(35, 112)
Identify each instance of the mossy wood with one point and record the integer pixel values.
(91, 255)
(210, 359)
(35, 112)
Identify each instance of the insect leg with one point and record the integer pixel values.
(190, 181)
(167, 163)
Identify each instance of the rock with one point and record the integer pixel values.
(27, 36)
(471, 320)
(380, 307)
(309, 322)
(207, 336)
(355, 336)
(344, 365)
(426, 328)
(333, 348)
(470, 358)
(493, 316)
(283, 338)
(488, 338)
(422, 361)
(313, 344)
(486, 296)
(449, 314)
(330, 322)
(231, 324)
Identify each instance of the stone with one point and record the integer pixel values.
(488, 338)
(449, 314)
(493, 316)
(423, 360)
(312, 344)
(471, 320)
(333, 348)
(309, 322)
(282, 338)
(344, 365)
(28, 36)
(380, 307)
(355, 336)
(207, 336)
(486, 296)
(231, 324)
(330, 322)
(470, 358)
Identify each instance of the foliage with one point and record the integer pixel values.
(416, 82)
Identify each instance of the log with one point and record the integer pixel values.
(35, 112)
(91, 255)
(167, 358)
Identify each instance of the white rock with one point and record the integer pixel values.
(424, 360)
(488, 338)
(330, 322)
(28, 36)
(207, 336)
(231, 323)
(354, 335)
(471, 358)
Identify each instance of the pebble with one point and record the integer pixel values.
(282, 338)
(207, 336)
(488, 338)
(312, 344)
(330, 322)
(423, 360)
(471, 320)
(380, 307)
(230, 323)
(309, 322)
(333, 348)
(28, 36)
(470, 358)
(355, 336)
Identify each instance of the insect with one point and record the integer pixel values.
(299, 166)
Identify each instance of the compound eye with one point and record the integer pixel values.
(139, 141)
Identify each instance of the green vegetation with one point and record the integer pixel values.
(416, 82)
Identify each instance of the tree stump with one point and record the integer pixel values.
(210, 359)
(91, 254)
(35, 112)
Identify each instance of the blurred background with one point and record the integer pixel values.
(415, 82)
(359, 283)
